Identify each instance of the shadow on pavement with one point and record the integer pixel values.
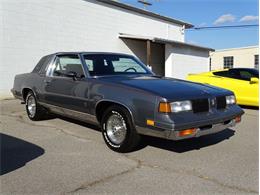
(174, 146)
(249, 107)
(188, 144)
(81, 123)
(15, 153)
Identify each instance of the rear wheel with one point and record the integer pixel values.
(118, 130)
(34, 110)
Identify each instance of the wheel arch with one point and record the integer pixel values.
(102, 105)
(25, 91)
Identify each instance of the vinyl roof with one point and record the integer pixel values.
(145, 12)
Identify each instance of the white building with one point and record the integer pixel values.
(30, 29)
(242, 57)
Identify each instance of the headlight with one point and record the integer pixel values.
(181, 106)
(175, 106)
(231, 99)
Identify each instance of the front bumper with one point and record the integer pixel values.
(209, 125)
(209, 129)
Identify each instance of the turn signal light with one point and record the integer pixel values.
(187, 132)
(238, 119)
(164, 107)
(150, 122)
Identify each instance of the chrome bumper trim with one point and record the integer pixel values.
(201, 132)
(173, 134)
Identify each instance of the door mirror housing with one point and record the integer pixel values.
(72, 74)
(254, 80)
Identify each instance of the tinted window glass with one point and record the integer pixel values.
(242, 74)
(227, 73)
(40, 64)
(222, 73)
(45, 65)
(66, 64)
(89, 64)
(247, 74)
(234, 74)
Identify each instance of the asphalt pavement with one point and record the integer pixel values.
(62, 156)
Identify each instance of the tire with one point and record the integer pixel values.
(34, 111)
(118, 130)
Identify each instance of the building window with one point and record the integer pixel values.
(256, 61)
(209, 64)
(228, 62)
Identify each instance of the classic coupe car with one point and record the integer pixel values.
(242, 81)
(119, 93)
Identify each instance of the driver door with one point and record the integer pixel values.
(63, 90)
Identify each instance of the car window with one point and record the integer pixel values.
(89, 64)
(247, 74)
(241, 74)
(222, 73)
(227, 73)
(40, 64)
(234, 74)
(66, 64)
(113, 64)
(127, 65)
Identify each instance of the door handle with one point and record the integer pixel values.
(47, 82)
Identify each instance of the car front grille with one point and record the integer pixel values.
(221, 102)
(200, 105)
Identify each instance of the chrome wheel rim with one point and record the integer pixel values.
(31, 106)
(116, 128)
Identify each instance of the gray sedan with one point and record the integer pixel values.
(127, 100)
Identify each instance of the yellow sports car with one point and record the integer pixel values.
(242, 81)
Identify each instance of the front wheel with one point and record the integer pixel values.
(118, 130)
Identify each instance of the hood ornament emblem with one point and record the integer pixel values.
(213, 102)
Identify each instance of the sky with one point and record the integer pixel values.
(212, 13)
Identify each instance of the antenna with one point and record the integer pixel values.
(145, 3)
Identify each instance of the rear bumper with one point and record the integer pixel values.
(16, 94)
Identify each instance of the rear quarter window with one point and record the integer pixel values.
(41, 65)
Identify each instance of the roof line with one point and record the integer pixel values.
(145, 12)
(237, 48)
(161, 40)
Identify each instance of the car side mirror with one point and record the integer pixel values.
(254, 80)
(72, 74)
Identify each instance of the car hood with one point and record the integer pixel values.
(172, 89)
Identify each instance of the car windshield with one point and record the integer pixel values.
(114, 64)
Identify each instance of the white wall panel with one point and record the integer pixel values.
(33, 28)
(185, 60)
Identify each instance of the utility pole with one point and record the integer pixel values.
(145, 3)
